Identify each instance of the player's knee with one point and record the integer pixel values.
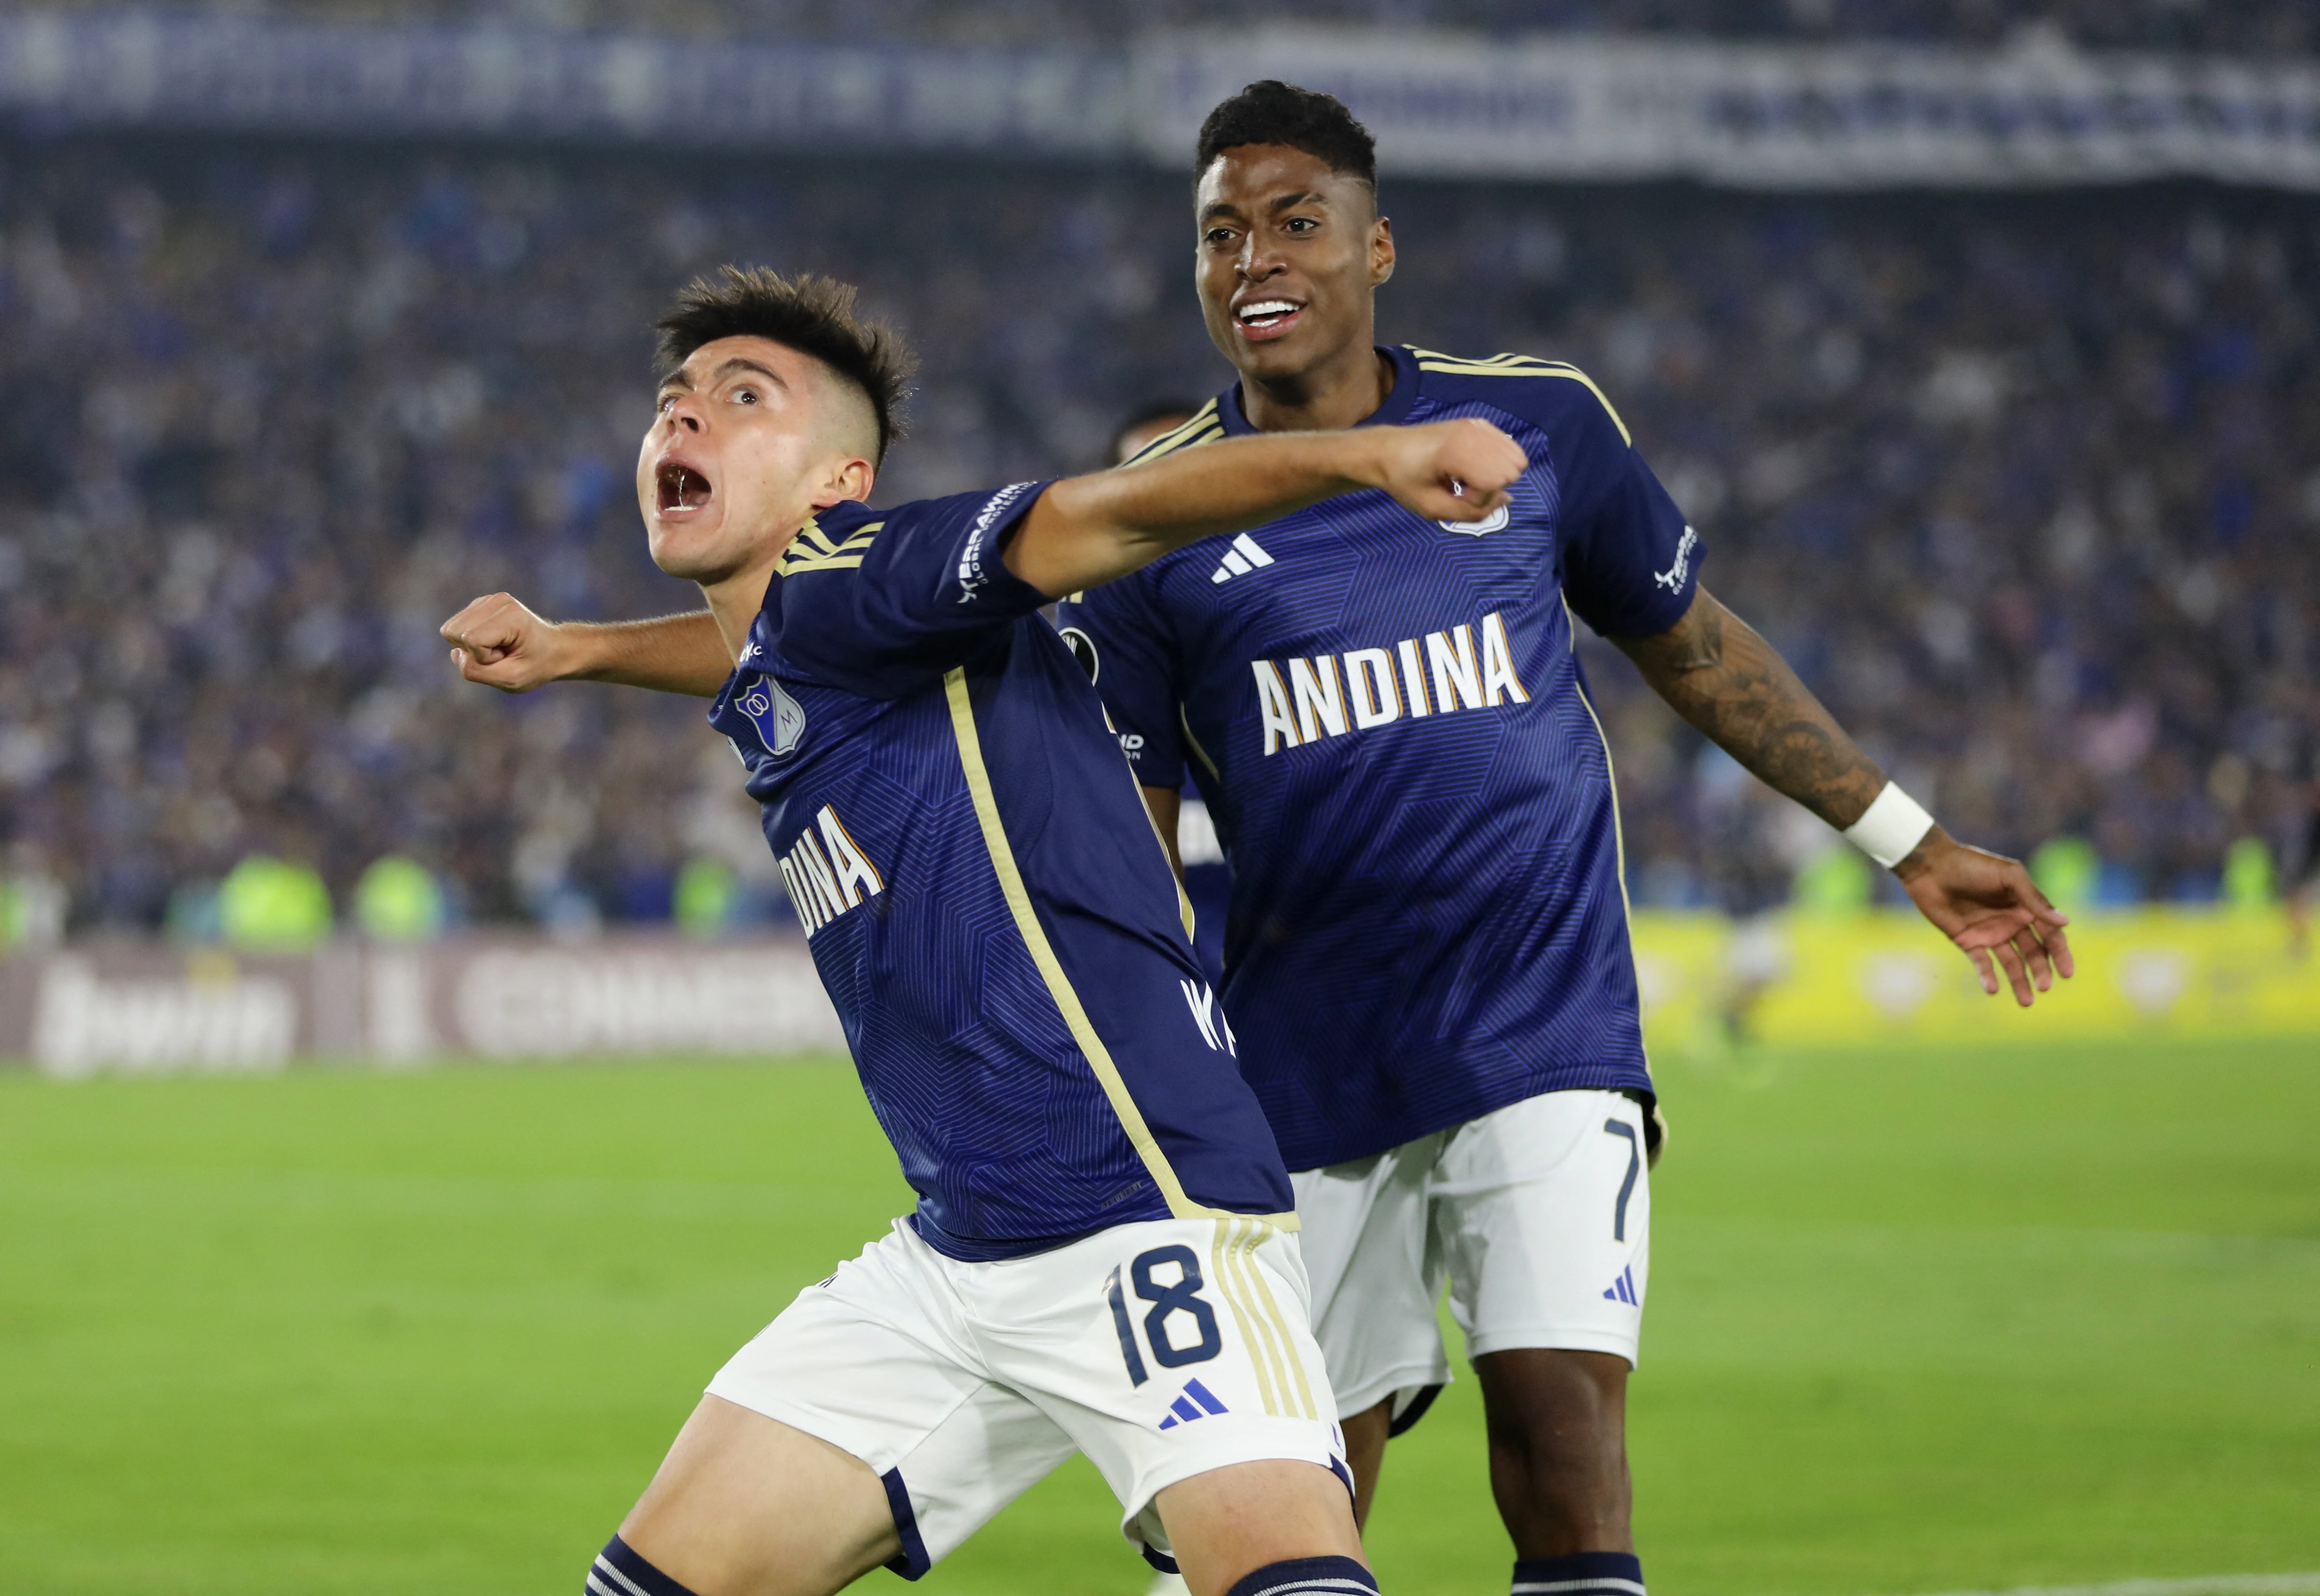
(620, 1571)
(1553, 1390)
(1307, 1577)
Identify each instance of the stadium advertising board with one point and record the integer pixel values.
(1837, 981)
(1875, 978)
(131, 1010)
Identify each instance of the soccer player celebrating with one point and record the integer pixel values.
(1102, 1257)
(1426, 953)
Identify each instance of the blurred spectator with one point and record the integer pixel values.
(2248, 880)
(2025, 486)
(2068, 870)
(399, 900)
(33, 903)
(268, 905)
(707, 898)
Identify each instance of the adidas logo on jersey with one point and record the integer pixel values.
(1302, 700)
(1240, 559)
(827, 877)
(1623, 1289)
(1182, 1411)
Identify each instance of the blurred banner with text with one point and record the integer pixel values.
(1707, 985)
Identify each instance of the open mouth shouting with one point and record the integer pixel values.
(680, 489)
(1261, 319)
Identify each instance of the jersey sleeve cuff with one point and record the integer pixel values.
(981, 576)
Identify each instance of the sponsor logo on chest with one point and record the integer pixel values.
(828, 872)
(1465, 667)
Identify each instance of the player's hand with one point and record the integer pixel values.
(1988, 906)
(499, 642)
(1448, 470)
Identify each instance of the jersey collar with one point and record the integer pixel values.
(1398, 401)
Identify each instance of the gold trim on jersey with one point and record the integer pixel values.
(1183, 904)
(1184, 719)
(1203, 426)
(1051, 969)
(1520, 366)
(813, 550)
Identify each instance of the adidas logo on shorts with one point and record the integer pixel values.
(1623, 1289)
(1182, 1411)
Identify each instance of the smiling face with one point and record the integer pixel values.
(748, 440)
(1291, 253)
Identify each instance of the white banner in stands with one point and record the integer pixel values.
(1533, 107)
(1785, 116)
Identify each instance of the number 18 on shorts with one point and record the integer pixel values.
(1162, 1350)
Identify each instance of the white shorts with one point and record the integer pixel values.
(1539, 1216)
(1161, 1349)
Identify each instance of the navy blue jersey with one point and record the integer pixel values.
(1389, 720)
(983, 893)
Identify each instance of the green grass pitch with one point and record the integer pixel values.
(1919, 1321)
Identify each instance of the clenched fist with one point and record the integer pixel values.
(498, 641)
(1447, 470)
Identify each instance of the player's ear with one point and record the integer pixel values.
(844, 477)
(1381, 252)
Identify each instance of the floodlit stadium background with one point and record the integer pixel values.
(1980, 340)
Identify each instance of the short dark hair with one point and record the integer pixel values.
(813, 315)
(1277, 112)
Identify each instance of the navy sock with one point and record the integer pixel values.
(1308, 1576)
(1582, 1573)
(617, 1571)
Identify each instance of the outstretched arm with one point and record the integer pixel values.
(1717, 673)
(1086, 531)
(498, 641)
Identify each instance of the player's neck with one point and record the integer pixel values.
(736, 601)
(1343, 391)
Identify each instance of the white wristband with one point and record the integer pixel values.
(1892, 826)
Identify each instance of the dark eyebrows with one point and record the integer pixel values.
(743, 363)
(678, 382)
(1277, 205)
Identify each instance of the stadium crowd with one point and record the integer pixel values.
(2025, 486)
(2263, 28)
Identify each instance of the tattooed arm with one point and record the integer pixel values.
(1717, 673)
